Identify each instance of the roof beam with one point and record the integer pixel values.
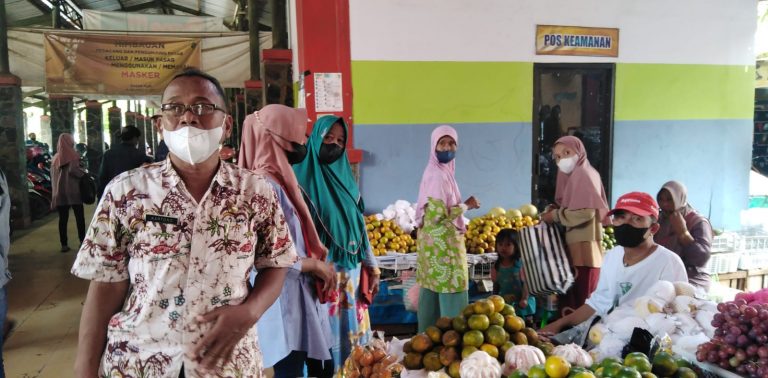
(32, 92)
(172, 5)
(44, 19)
(138, 7)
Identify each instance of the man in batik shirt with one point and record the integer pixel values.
(169, 251)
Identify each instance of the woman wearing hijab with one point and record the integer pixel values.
(580, 206)
(685, 232)
(294, 331)
(337, 208)
(441, 270)
(65, 175)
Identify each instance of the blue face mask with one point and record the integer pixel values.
(445, 156)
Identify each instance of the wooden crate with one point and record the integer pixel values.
(734, 280)
(757, 279)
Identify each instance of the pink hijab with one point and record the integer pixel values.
(438, 180)
(65, 151)
(582, 188)
(267, 135)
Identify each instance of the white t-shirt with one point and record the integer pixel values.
(619, 284)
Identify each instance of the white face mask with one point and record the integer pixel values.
(567, 165)
(193, 145)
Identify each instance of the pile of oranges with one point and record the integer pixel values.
(386, 236)
(481, 232)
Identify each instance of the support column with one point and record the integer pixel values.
(130, 119)
(95, 130)
(254, 88)
(146, 131)
(62, 118)
(279, 25)
(115, 123)
(278, 78)
(45, 131)
(13, 156)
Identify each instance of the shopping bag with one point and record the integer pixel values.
(545, 259)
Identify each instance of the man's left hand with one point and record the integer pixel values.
(677, 222)
(228, 325)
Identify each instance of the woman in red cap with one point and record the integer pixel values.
(580, 206)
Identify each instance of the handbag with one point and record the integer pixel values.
(87, 189)
(545, 258)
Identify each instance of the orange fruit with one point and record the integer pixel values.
(557, 367)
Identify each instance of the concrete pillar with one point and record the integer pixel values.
(130, 119)
(94, 126)
(254, 95)
(45, 131)
(62, 118)
(13, 156)
(278, 79)
(115, 123)
(146, 131)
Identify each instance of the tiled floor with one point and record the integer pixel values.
(45, 301)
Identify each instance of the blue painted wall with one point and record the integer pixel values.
(711, 157)
(493, 163)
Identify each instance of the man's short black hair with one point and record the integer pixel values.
(195, 72)
(129, 133)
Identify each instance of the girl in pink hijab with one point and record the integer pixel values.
(442, 257)
(580, 206)
(65, 178)
(295, 330)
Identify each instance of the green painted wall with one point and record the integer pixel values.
(388, 92)
(683, 91)
(435, 92)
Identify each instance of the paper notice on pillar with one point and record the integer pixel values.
(115, 64)
(328, 96)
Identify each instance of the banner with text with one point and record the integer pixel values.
(576, 40)
(117, 65)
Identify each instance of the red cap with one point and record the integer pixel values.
(638, 203)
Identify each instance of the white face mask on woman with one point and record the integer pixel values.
(193, 145)
(567, 165)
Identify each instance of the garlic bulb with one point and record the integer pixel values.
(573, 354)
(480, 365)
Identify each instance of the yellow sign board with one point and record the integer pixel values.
(115, 64)
(576, 40)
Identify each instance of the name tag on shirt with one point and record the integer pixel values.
(161, 219)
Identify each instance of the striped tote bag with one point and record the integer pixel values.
(545, 259)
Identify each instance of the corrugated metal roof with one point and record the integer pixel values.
(24, 13)
(17, 10)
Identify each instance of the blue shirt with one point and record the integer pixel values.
(297, 320)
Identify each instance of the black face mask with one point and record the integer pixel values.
(628, 236)
(329, 153)
(298, 154)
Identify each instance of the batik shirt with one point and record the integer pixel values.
(183, 259)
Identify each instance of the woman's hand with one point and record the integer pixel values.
(373, 283)
(523, 303)
(472, 203)
(677, 222)
(326, 273)
(548, 217)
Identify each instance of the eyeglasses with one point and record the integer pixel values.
(177, 110)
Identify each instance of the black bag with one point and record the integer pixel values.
(88, 189)
(545, 259)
